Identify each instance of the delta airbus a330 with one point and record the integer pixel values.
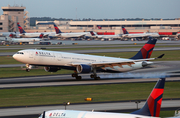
(151, 108)
(83, 63)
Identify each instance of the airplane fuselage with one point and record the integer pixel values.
(88, 114)
(140, 35)
(71, 35)
(65, 60)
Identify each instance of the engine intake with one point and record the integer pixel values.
(83, 68)
(51, 69)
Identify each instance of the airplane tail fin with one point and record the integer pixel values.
(41, 35)
(92, 33)
(99, 26)
(20, 29)
(146, 50)
(124, 30)
(57, 29)
(11, 35)
(153, 103)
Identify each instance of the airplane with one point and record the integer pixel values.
(69, 35)
(27, 40)
(103, 37)
(23, 40)
(83, 63)
(137, 35)
(31, 35)
(8, 34)
(150, 109)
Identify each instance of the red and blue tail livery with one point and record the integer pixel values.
(146, 50)
(99, 26)
(57, 29)
(153, 104)
(124, 30)
(20, 29)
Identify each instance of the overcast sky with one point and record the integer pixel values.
(99, 9)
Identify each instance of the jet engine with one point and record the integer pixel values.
(51, 69)
(146, 63)
(83, 68)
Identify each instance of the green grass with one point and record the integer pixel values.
(76, 94)
(166, 113)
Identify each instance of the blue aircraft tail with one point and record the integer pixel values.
(152, 106)
(57, 29)
(20, 29)
(146, 50)
(124, 30)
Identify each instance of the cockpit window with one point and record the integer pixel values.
(19, 53)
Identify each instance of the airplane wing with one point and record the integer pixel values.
(116, 63)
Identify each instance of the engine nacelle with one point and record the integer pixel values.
(83, 68)
(51, 69)
(146, 63)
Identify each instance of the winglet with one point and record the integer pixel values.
(160, 56)
(153, 103)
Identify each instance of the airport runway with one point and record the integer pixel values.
(168, 69)
(84, 107)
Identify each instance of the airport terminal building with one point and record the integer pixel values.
(11, 15)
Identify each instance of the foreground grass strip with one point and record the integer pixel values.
(76, 94)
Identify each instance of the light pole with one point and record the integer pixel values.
(65, 104)
(137, 102)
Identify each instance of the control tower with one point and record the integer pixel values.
(11, 15)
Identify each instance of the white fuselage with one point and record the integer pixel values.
(35, 35)
(88, 114)
(72, 35)
(107, 36)
(55, 58)
(140, 35)
(25, 39)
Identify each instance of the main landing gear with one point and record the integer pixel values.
(28, 67)
(76, 76)
(94, 75)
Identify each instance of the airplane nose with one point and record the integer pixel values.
(14, 56)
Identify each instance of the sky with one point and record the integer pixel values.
(99, 9)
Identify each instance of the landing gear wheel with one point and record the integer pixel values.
(92, 76)
(97, 78)
(78, 77)
(74, 75)
(27, 69)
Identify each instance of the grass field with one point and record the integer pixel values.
(76, 94)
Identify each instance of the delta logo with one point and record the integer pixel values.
(43, 53)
